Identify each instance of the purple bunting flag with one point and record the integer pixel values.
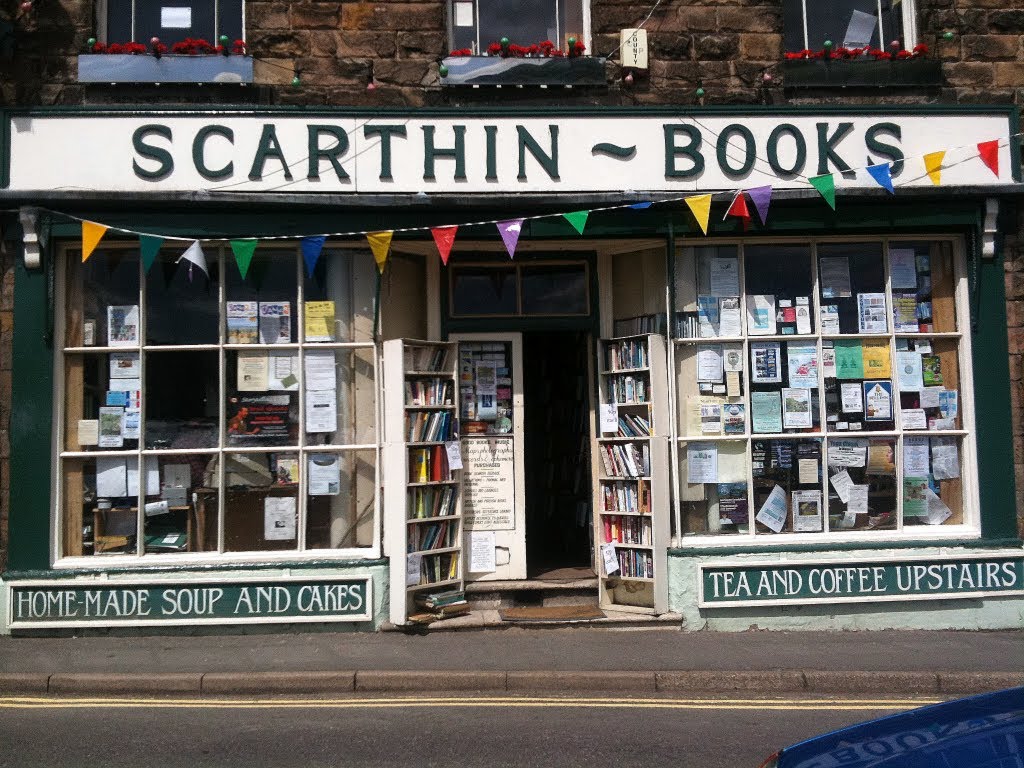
(510, 231)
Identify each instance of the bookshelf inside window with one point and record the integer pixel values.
(422, 493)
(631, 488)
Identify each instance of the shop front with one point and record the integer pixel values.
(733, 368)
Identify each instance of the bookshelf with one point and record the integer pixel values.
(422, 495)
(631, 499)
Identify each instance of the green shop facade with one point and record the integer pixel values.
(724, 367)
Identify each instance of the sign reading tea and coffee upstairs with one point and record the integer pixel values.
(407, 154)
(143, 603)
(796, 582)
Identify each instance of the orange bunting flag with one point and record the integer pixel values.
(700, 206)
(989, 153)
(380, 244)
(444, 238)
(92, 233)
(933, 165)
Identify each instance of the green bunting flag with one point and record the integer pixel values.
(578, 219)
(243, 250)
(826, 185)
(149, 247)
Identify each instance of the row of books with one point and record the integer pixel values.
(623, 496)
(631, 425)
(431, 501)
(625, 459)
(634, 326)
(626, 355)
(428, 465)
(423, 538)
(635, 563)
(432, 358)
(429, 426)
(443, 567)
(628, 390)
(627, 530)
(429, 392)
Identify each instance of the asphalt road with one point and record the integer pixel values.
(444, 731)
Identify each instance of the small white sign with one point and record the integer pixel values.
(454, 451)
(609, 418)
(633, 48)
(463, 14)
(481, 552)
(611, 560)
(176, 17)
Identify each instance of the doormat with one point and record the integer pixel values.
(528, 613)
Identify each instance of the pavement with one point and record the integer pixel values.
(517, 660)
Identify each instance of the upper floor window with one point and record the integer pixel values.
(172, 20)
(476, 24)
(848, 23)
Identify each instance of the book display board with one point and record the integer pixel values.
(631, 500)
(422, 491)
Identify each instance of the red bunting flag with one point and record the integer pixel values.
(444, 238)
(989, 152)
(738, 208)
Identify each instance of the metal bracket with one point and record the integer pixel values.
(989, 228)
(30, 237)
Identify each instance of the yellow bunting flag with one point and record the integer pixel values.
(933, 164)
(700, 205)
(380, 244)
(92, 233)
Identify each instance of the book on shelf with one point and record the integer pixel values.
(634, 563)
(628, 390)
(428, 465)
(429, 426)
(423, 392)
(431, 502)
(426, 358)
(627, 354)
(641, 324)
(631, 425)
(625, 459)
(432, 536)
(627, 530)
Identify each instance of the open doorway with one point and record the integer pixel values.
(557, 448)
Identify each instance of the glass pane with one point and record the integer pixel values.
(347, 278)
(850, 23)
(102, 404)
(261, 308)
(778, 282)
(102, 299)
(932, 481)
(709, 379)
(787, 486)
(182, 302)
(180, 514)
(859, 392)
(181, 399)
(482, 412)
(852, 288)
(483, 291)
(262, 406)
(713, 490)
(862, 484)
(928, 377)
(525, 22)
(784, 387)
(707, 289)
(260, 512)
(923, 287)
(556, 290)
(340, 504)
(340, 397)
(101, 514)
(793, 25)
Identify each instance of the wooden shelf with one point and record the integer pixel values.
(433, 585)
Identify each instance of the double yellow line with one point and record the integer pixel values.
(838, 705)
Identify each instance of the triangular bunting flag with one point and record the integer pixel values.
(881, 174)
(243, 250)
(380, 244)
(149, 247)
(311, 247)
(640, 206)
(700, 205)
(762, 198)
(578, 219)
(738, 208)
(92, 233)
(989, 152)
(826, 186)
(510, 231)
(933, 165)
(194, 255)
(444, 238)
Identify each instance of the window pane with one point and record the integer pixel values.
(347, 278)
(102, 291)
(861, 395)
(191, 19)
(778, 283)
(524, 22)
(925, 301)
(862, 484)
(483, 291)
(261, 308)
(709, 378)
(101, 505)
(101, 411)
(340, 505)
(182, 515)
(181, 391)
(852, 283)
(793, 25)
(847, 23)
(787, 486)
(260, 513)
(707, 289)
(557, 290)
(340, 396)
(719, 504)
(182, 308)
(932, 484)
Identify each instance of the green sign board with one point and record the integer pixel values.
(147, 603)
(859, 581)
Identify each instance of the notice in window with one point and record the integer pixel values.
(176, 17)
(463, 14)
(807, 510)
(123, 326)
(859, 30)
(319, 321)
(773, 512)
(279, 518)
(111, 427)
(324, 474)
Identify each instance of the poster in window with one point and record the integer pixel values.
(123, 326)
(243, 323)
(111, 427)
(877, 401)
(259, 419)
(275, 322)
(279, 518)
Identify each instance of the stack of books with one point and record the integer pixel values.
(440, 605)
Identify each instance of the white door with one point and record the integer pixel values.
(491, 427)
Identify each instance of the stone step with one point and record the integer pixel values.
(493, 595)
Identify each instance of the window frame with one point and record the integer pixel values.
(517, 267)
(909, 13)
(221, 253)
(480, 50)
(103, 12)
(967, 434)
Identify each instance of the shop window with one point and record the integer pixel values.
(208, 413)
(549, 289)
(847, 23)
(173, 21)
(829, 381)
(476, 25)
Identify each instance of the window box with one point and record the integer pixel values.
(495, 70)
(143, 68)
(812, 73)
